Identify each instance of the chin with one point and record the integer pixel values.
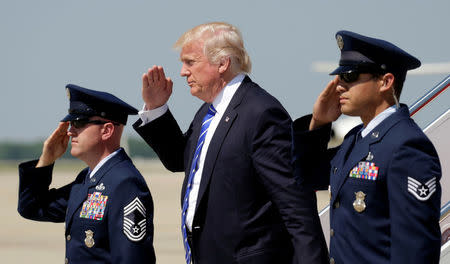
(74, 152)
(347, 111)
(194, 92)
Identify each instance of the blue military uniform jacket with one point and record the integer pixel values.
(385, 192)
(108, 217)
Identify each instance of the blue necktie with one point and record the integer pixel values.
(358, 137)
(194, 167)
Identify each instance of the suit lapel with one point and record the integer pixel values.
(81, 191)
(98, 176)
(225, 124)
(361, 149)
(357, 153)
(77, 196)
(213, 151)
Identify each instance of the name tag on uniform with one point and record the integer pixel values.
(365, 170)
(94, 206)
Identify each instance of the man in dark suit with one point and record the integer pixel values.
(108, 208)
(240, 202)
(384, 178)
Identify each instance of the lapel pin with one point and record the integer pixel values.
(375, 134)
(100, 187)
(227, 119)
(369, 156)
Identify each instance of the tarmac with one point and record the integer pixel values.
(26, 241)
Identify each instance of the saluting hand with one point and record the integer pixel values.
(156, 88)
(55, 145)
(327, 107)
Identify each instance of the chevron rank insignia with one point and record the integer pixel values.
(422, 191)
(134, 220)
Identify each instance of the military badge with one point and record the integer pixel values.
(359, 205)
(375, 134)
(340, 42)
(422, 191)
(369, 156)
(89, 240)
(94, 206)
(365, 170)
(100, 187)
(134, 220)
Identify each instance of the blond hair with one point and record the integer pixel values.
(220, 40)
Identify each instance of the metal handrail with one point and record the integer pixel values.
(429, 96)
(445, 212)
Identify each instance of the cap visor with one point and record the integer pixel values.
(343, 69)
(71, 117)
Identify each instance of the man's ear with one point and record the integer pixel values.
(108, 131)
(387, 82)
(224, 64)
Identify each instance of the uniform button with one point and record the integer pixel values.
(68, 237)
(335, 170)
(66, 261)
(332, 232)
(332, 261)
(336, 204)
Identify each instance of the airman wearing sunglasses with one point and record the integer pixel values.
(384, 178)
(108, 208)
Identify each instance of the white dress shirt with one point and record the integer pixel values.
(103, 161)
(377, 120)
(220, 103)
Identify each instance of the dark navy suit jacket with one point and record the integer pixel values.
(396, 226)
(249, 207)
(79, 204)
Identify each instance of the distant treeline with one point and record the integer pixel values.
(136, 147)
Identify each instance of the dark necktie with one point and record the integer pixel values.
(194, 167)
(358, 137)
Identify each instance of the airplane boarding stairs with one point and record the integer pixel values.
(438, 132)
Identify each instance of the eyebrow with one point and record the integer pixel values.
(190, 57)
(187, 57)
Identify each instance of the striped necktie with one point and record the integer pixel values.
(194, 167)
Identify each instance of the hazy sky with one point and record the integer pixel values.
(107, 45)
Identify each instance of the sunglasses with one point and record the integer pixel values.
(349, 77)
(83, 122)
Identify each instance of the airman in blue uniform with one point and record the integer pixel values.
(384, 178)
(108, 208)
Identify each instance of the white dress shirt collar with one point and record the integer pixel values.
(377, 120)
(223, 99)
(103, 161)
